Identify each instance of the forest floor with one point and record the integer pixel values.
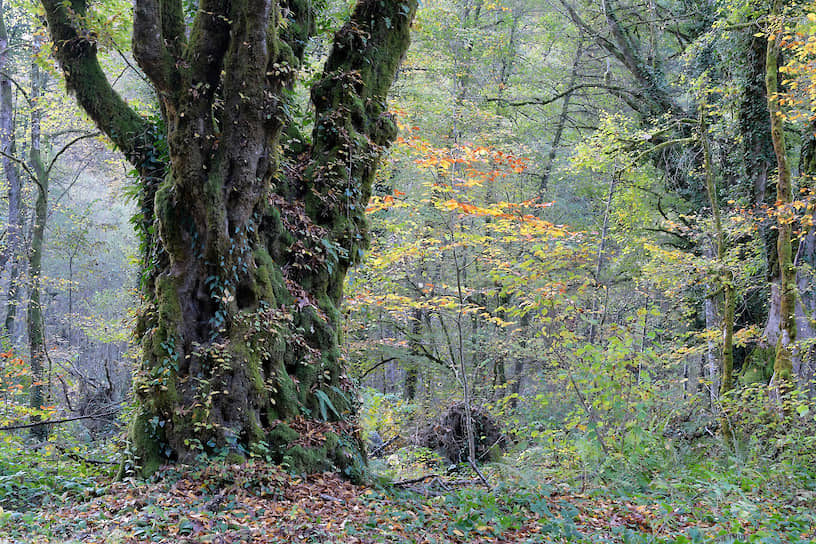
(259, 503)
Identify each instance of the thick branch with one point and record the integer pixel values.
(58, 421)
(621, 48)
(173, 26)
(352, 126)
(647, 77)
(77, 56)
(148, 44)
(208, 45)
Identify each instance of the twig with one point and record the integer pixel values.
(462, 482)
(409, 481)
(65, 392)
(77, 457)
(382, 446)
(481, 476)
(57, 421)
(441, 483)
(376, 366)
(592, 418)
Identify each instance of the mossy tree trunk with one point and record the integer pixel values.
(760, 187)
(249, 226)
(726, 282)
(783, 361)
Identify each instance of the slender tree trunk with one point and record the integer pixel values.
(36, 323)
(725, 280)
(500, 358)
(712, 365)
(783, 362)
(412, 373)
(518, 364)
(562, 117)
(593, 327)
(14, 248)
(463, 376)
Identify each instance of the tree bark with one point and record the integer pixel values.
(805, 263)
(245, 247)
(415, 351)
(712, 365)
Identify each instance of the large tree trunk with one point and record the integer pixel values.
(246, 248)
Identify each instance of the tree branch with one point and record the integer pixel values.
(23, 164)
(77, 55)
(376, 366)
(563, 94)
(57, 421)
(64, 148)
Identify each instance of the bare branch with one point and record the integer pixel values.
(58, 421)
(64, 148)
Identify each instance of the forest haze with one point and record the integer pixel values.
(401, 271)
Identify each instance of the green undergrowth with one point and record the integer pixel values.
(666, 495)
(35, 475)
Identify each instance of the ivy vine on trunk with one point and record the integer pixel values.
(248, 225)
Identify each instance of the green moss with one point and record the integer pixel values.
(305, 460)
(170, 217)
(783, 362)
(145, 443)
(282, 435)
(169, 307)
(758, 366)
(264, 265)
(235, 458)
(287, 397)
(246, 352)
(255, 432)
(300, 459)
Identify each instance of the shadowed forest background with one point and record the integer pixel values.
(580, 307)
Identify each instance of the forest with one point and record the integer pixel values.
(428, 271)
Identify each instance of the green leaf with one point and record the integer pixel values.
(324, 402)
